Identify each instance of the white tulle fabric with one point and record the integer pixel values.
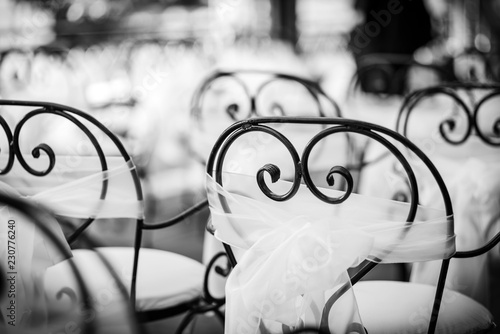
(474, 186)
(73, 188)
(71, 192)
(293, 255)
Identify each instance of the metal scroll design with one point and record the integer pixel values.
(74, 116)
(300, 165)
(447, 127)
(234, 110)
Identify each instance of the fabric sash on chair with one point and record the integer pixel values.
(294, 255)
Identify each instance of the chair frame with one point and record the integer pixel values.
(312, 87)
(332, 126)
(470, 108)
(196, 306)
(472, 117)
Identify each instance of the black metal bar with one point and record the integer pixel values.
(178, 218)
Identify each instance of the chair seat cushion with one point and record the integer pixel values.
(164, 278)
(400, 307)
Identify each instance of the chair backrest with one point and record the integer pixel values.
(67, 160)
(458, 124)
(473, 104)
(395, 143)
(224, 97)
(253, 85)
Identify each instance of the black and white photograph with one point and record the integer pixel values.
(249, 166)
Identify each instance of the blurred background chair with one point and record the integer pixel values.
(227, 96)
(269, 216)
(455, 125)
(463, 138)
(81, 170)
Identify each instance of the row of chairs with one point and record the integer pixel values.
(162, 284)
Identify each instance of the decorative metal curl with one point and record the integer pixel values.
(447, 126)
(232, 110)
(495, 127)
(47, 149)
(314, 90)
(275, 174)
(330, 179)
(224, 272)
(273, 170)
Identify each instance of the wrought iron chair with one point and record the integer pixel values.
(462, 133)
(224, 97)
(81, 170)
(406, 307)
(24, 265)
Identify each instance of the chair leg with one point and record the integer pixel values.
(195, 312)
(185, 322)
(220, 316)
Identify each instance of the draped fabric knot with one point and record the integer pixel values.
(293, 256)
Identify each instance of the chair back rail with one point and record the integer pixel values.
(314, 89)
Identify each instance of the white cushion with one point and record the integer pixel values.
(164, 278)
(399, 307)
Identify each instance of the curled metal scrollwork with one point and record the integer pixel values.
(275, 174)
(448, 126)
(271, 169)
(221, 271)
(75, 117)
(234, 110)
(330, 178)
(46, 148)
